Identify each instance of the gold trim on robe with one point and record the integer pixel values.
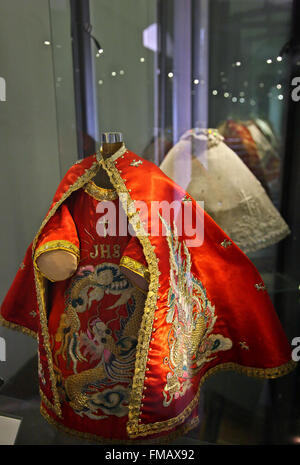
(100, 193)
(134, 426)
(135, 266)
(40, 284)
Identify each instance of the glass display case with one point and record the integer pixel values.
(207, 91)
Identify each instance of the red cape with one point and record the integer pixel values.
(207, 308)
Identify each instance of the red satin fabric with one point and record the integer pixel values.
(19, 307)
(76, 222)
(244, 313)
(60, 227)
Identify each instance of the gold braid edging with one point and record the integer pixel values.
(56, 245)
(40, 281)
(40, 292)
(20, 328)
(182, 430)
(135, 266)
(133, 426)
(100, 193)
(45, 400)
(81, 181)
(263, 373)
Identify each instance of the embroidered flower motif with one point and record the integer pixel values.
(226, 243)
(83, 270)
(260, 286)
(136, 163)
(78, 161)
(186, 198)
(192, 319)
(244, 345)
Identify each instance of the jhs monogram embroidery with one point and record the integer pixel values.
(106, 251)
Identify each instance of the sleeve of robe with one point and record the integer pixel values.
(58, 244)
(134, 265)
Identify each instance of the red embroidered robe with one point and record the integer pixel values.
(117, 364)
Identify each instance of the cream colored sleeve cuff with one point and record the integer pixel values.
(57, 260)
